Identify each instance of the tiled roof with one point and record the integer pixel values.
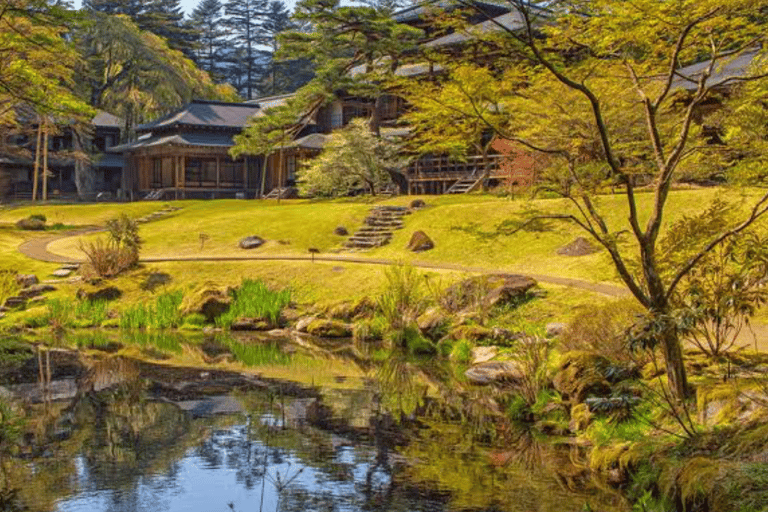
(417, 11)
(182, 139)
(727, 68)
(107, 120)
(109, 160)
(510, 21)
(311, 141)
(206, 114)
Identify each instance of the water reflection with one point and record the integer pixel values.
(139, 437)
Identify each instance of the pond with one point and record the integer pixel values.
(130, 436)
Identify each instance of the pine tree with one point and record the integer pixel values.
(245, 19)
(166, 19)
(278, 77)
(208, 21)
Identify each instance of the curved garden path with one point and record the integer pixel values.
(37, 249)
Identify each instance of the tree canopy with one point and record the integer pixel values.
(586, 83)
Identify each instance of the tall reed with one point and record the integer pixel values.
(163, 314)
(255, 300)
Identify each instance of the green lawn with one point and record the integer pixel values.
(468, 230)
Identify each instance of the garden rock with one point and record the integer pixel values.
(420, 242)
(432, 322)
(492, 372)
(580, 375)
(341, 231)
(303, 323)
(472, 333)
(480, 355)
(35, 290)
(417, 204)
(209, 300)
(15, 303)
(329, 329)
(250, 324)
(488, 290)
(26, 280)
(579, 247)
(61, 273)
(251, 242)
(554, 329)
(107, 293)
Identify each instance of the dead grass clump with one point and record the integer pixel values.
(601, 329)
(107, 260)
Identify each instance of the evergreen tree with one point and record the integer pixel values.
(283, 76)
(208, 22)
(245, 20)
(166, 19)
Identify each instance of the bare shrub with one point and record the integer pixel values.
(120, 252)
(602, 329)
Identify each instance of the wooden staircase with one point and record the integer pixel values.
(281, 193)
(466, 184)
(378, 227)
(155, 195)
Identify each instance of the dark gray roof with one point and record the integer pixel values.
(725, 69)
(511, 20)
(209, 114)
(417, 11)
(181, 139)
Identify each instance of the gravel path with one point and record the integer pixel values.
(37, 249)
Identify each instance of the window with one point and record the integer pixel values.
(193, 171)
(157, 172)
(290, 165)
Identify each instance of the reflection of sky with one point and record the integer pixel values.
(229, 467)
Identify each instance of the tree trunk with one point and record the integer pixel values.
(673, 357)
(375, 122)
(45, 162)
(38, 148)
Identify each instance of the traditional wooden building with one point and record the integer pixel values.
(186, 154)
(17, 160)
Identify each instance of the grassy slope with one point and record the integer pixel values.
(463, 227)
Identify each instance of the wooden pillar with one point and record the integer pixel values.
(182, 175)
(218, 173)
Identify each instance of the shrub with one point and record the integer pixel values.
(31, 224)
(602, 329)
(38, 216)
(255, 300)
(118, 253)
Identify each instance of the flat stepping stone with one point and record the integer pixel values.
(15, 303)
(62, 272)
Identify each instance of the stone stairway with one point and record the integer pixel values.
(378, 227)
(282, 193)
(466, 184)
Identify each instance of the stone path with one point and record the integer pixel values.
(37, 249)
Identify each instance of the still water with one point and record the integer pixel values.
(139, 444)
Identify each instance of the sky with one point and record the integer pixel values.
(189, 5)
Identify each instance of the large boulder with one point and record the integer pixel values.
(494, 372)
(31, 224)
(251, 242)
(417, 204)
(341, 231)
(488, 290)
(420, 242)
(26, 280)
(209, 300)
(433, 323)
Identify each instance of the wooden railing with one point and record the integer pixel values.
(442, 168)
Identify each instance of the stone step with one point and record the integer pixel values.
(373, 232)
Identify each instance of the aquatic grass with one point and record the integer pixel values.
(163, 314)
(255, 300)
(59, 312)
(91, 313)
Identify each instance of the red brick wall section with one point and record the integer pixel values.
(519, 167)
